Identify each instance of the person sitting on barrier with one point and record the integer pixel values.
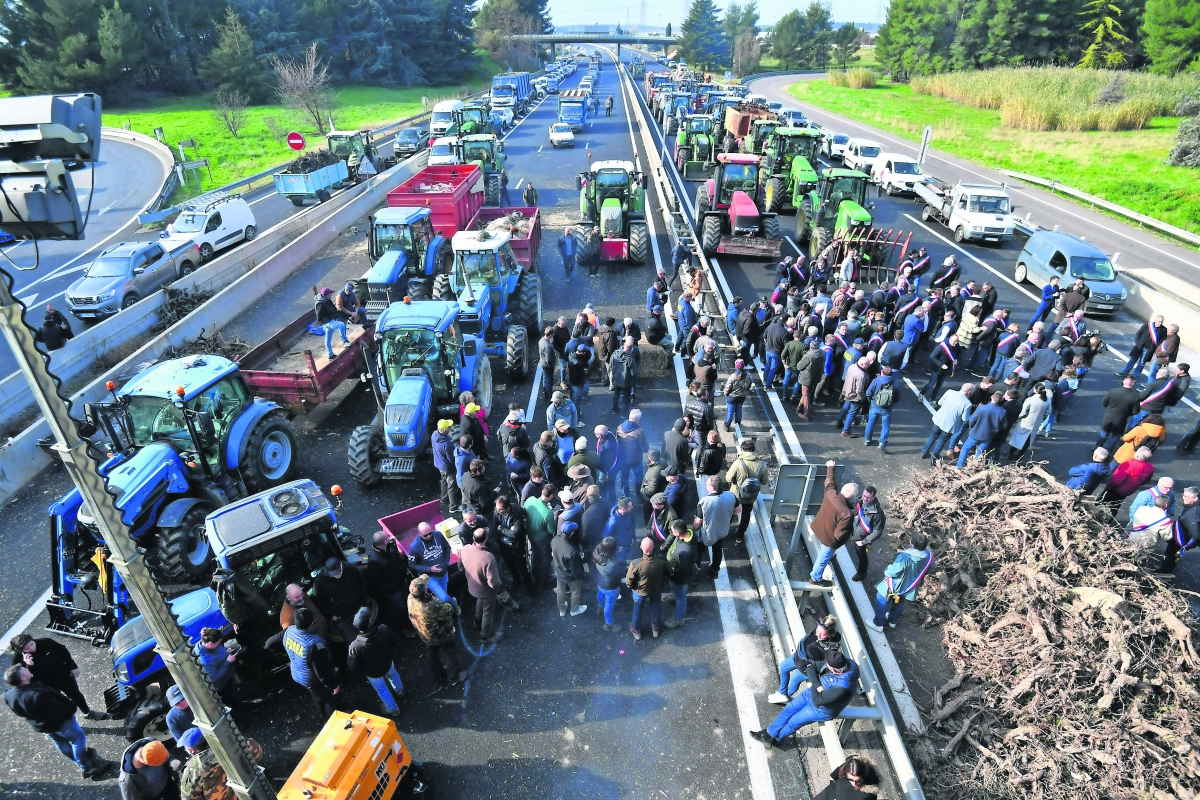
(812, 648)
(847, 781)
(826, 698)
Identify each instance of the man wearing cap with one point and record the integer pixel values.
(681, 554)
(145, 773)
(676, 491)
(545, 457)
(581, 480)
(827, 696)
(203, 777)
(578, 361)
(656, 328)
(443, 446)
(608, 454)
(661, 517)
(430, 555)
(340, 592)
(180, 717)
(631, 444)
(371, 654)
(568, 569)
(746, 476)
(644, 578)
(49, 711)
(562, 408)
(583, 456)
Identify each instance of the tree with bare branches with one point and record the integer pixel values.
(304, 84)
(230, 108)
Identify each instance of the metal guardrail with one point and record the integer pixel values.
(1140, 219)
(775, 589)
(758, 75)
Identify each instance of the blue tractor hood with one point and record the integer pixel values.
(406, 415)
(132, 645)
(388, 268)
(144, 481)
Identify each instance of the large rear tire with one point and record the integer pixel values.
(441, 288)
(182, 552)
(492, 194)
(682, 155)
(482, 385)
(366, 453)
(702, 201)
(148, 720)
(525, 305)
(516, 354)
(803, 226)
(710, 236)
(818, 242)
(771, 227)
(639, 243)
(270, 454)
(773, 196)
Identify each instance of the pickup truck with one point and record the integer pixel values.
(125, 273)
(980, 211)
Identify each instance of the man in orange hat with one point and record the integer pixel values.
(145, 773)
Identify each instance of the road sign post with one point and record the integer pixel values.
(926, 138)
(295, 140)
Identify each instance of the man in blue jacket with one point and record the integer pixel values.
(566, 247)
(621, 525)
(1049, 292)
(827, 696)
(1086, 477)
(915, 324)
(429, 554)
(443, 459)
(984, 423)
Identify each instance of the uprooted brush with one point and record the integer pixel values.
(1075, 666)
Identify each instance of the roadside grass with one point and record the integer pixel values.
(866, 58)
(1124, 167)
(257, 147)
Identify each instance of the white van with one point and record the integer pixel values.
(861, 155)
(443, 116)
(443, 151)
(896, 173)
(213, 221)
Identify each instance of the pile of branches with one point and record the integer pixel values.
(179, 303)
(1074, 667)
(310, 162)
(515, 223)
(204, 344)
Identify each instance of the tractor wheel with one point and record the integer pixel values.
(148, 720)
(639, 243)
(670, 125)
(818, 242)
(702, 204)
(524, 302)
(771, 227)
(182, 552)
(803, 227)
(481, 383)
(270, 453)
(441, 288)
(516, 354)
(710, 235)
(366, 451)
(730, 145)
(492, 195)
(682, 154)
(773, 196)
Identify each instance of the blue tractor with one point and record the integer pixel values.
(185, 438)
(261, 544)
(406, 254)
(424, 360)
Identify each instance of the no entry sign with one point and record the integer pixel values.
(295, 140)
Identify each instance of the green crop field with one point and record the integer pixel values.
(1125, 167)
(256, 147)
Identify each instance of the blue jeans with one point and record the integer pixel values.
(849, 408)
(629, 479)
(937, 442)
(622, 400)
(437, 585)
(639, 603)
(790, 676)
(824, 556)
(772, 365)
(1135, 420)
(607, 599)
(390, 689)
(790, 378)
(884, 415)
(979, 446)
(72, 743)
(733, 410)
(893, 616)
(329, 327)
(1051, 418)
(579, 393)
(796, 714)
(680, 592)
(569, 262)
(1140, 358)
(997, 370)
(933, 388)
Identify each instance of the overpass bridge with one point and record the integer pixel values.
(597, 38)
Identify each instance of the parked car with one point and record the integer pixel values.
(502, 118)
(792, 117)
(125, 273)
(443, 151)
(774, 106)
(896, 173)
(1047, 254)
(410, 141)
(561, 135)
(835, 145)
(861, 154)
(213, 223)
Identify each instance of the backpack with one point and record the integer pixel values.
(885, 396)
(749, 489)
(1151, 443)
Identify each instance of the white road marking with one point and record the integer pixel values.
(540, 148)
(28, 617)
(795, 246)
(518, 186)
(28, 300)
(920, 396)
(264, 197)
(107, 208)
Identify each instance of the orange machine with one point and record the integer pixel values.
(356, 756)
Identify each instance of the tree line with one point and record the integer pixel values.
(130, 48)
(921, 37)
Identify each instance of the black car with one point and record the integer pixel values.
(410, 141)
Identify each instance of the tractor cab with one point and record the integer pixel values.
(760, 131)
(698, 124)
(788, 172)
(843, 194)
(612, 199)
(729, 214)
(353, 147)
(484, 276)
(736, 172)
(474, 118)
(483, 149)
(404, 252)
(681, 102)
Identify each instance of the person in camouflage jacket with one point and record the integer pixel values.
(434, 623)
(203, 777)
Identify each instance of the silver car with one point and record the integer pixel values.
(1053, 254)
(125, 273)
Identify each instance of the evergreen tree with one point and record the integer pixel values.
(916, 37)
(668, 30)
(1171, 35)
(701, 37)
(737, 20)
(454, 58)
(846, 44)
(969, 49)
(785, 38)
(816, 36)
(233, 66)
(1106, 36)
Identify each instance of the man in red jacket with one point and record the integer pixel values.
(834, 523)
(1126, 479)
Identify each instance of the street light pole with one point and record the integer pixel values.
(212, 717)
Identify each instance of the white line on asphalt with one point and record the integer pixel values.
(28, 300)
(518, 186)
(28, 617)
(107, 208)
(264, 197)
(540, 147)
(531, 409)
(920, 396)
(978, 261)
(795, 246)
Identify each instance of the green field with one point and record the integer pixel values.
(1125, 167)
(866, 58)
(256, 149)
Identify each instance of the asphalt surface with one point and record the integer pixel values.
(559, 708)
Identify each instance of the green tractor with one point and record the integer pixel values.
(487, 151)
(836, 207)
(788, 158)
(760, 132)
(612, 199)
(695, 147)
(474, 118)
(638, 68)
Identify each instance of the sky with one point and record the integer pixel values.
(660, 12)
